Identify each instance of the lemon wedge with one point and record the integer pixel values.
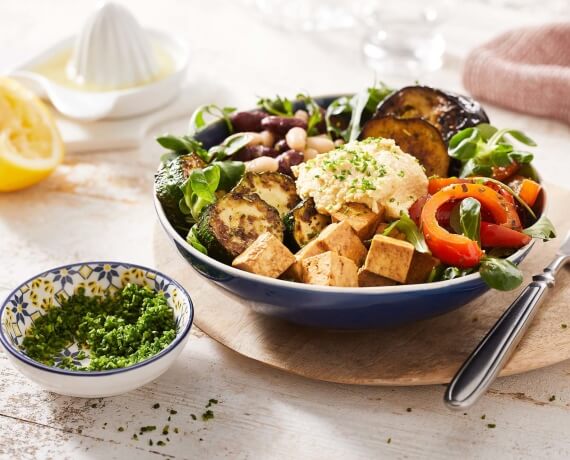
(30, 143)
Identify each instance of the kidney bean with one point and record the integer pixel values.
(288, 159)
(250, 152)
(281, 125)
(281, 146)
(247, 121)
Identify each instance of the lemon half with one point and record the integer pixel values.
(30, 143)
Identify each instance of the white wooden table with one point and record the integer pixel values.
(98, 206)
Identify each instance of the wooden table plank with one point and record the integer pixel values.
(265, 410)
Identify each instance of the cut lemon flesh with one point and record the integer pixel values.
(30, 143)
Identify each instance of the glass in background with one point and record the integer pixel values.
(404, 38)
(313, 15)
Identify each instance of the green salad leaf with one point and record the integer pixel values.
(481, 148)
(500, 274)
(357, 106)
(376, 94)
(205, 182)
(230, 173)
(543, 228)
(470, 219)
(193, 241)
(413, 234)
(199, 190)
(230, 146)
(450, 273)
(409, 228)
(337, 108)
(180, 145)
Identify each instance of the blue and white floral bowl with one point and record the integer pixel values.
(30, 300)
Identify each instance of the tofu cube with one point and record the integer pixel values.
(360, 217)
(389, 257)
(295, 271)
(421, 267)
(394, 233)
(266, 256)
(368, 279)
(330, 269)
(342, 239)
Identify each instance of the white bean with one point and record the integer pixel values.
(321, 144)
(296, 139)
(262, 164)
(339, 142)
(310, 153)
(256, 138)
(267, 138)
(302, 114)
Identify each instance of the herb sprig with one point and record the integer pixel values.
(314, 111)
(279, 106)
(209, 113)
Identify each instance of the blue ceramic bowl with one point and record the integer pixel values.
(331, 307)
(30, 300)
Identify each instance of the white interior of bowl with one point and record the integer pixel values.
(31, 299)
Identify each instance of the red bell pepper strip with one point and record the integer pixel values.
(499, 236)
(459, 250)
(435, 184)
(502, 173)
(415, 210)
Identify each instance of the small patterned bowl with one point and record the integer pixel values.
(29, 301)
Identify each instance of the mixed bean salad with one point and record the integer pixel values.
(380, 188)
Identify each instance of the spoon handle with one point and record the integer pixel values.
(484, 364)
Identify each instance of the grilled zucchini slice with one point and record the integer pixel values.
(448, 112)
(303, 223)
(167, 181)
(414, 136)
(276, 189)
(230, 225)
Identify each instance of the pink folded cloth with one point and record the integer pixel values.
(527, 70)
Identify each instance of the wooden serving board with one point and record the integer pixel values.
(421, 353)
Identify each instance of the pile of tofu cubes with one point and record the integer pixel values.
(339, 255)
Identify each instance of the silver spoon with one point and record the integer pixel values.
(484, 364)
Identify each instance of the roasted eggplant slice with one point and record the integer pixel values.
(303, 223)
(227, 227)
(448, 112)
(167, 182)
(276, 189)
(414, 136)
